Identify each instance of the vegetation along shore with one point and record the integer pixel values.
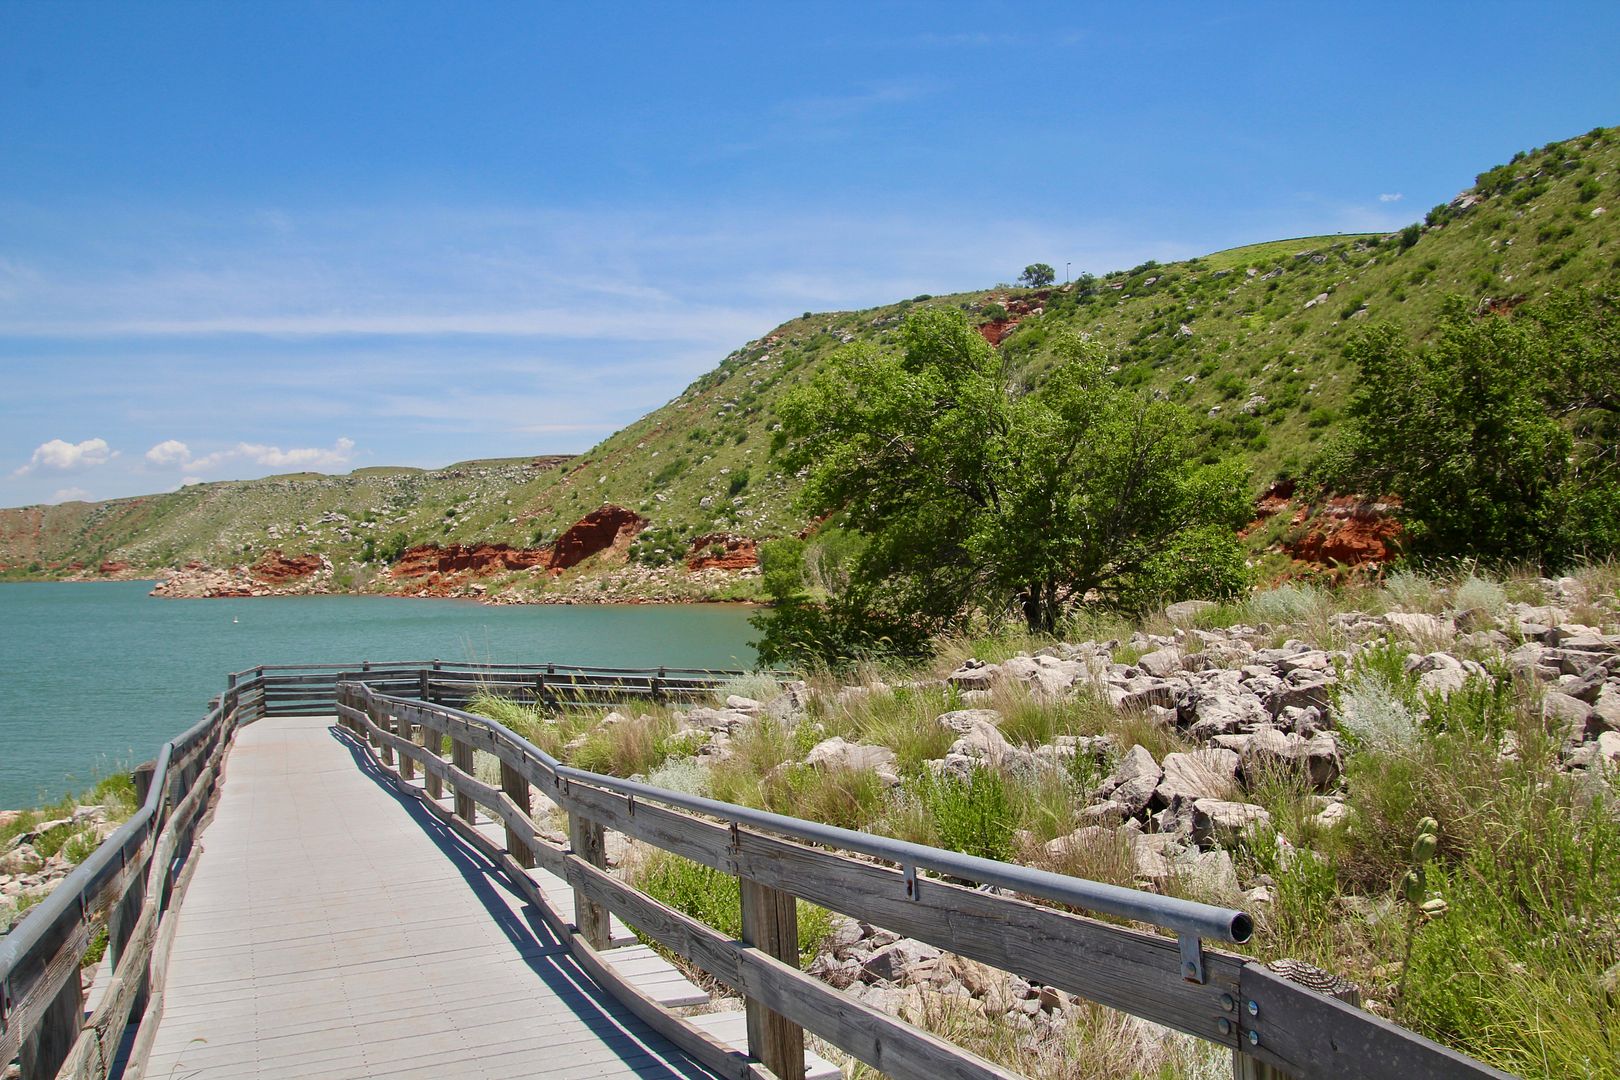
(1263, 348)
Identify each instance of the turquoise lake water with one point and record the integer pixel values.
(95, 676)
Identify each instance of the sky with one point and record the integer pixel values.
(238, 239)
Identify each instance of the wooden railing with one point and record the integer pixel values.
(404, 713)
(127, 887)
(311, 689)
(1273, 1026)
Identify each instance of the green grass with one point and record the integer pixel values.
(1274, 251)
(1251, 337)
(714, 898)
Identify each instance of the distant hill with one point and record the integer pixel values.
(1251, 338)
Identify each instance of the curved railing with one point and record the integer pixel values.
(404, 712)
(1269, 1022)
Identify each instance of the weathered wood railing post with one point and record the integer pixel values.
(407, 731)
(47, 1046)
(461, 756)
(586, 838)
(141, 777)
(385, 751)
(516, 787)
(770, 923)
(433, 743)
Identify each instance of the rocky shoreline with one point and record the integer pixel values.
(1255, 702)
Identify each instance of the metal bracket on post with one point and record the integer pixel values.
(909, 873)
(630, 805)
(1192, 958)
(736, 837)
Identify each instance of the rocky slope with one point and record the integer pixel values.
(1250, 338)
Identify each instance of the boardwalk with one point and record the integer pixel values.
(336, 929)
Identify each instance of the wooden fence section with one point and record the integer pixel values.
(311, 689)
(404, 712)
(128, 887)
(1274, 1027)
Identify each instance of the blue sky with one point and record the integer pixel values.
(238, 239)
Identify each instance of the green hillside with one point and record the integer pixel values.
(1252, 338)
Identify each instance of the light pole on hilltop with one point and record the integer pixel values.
(1066, 273)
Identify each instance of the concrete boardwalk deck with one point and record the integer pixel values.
(335, 928)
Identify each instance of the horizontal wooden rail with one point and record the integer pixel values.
(402, 714)
(128, 886)
(1269, 1022)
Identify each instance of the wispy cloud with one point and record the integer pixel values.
(839, 107)
(69, 494)
(169, 452)
(59, 455)
(1391, 196)
(274, 457)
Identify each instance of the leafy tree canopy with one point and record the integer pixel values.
(1500, 437)
(970, 497)
(1037, 274)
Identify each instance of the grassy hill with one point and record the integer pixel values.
(1251, 338)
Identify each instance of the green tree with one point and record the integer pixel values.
(969, 496)
(1499, 436)
(1037, 274)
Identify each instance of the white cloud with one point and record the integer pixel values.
(169, 452)
(70, 494)
(61, 456)
(1390, 196)
(303, 457)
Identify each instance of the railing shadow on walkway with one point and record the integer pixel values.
(532, 940)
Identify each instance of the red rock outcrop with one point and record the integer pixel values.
(480, 560)
(113, 567)
(606, 527)
(437, 571)
(996, 330)
(722, 551)
(1348, 531)
(274, 568)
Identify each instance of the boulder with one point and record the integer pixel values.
(1046, 674)
(1606, 708)
(835, 753)
(1226, 712)
(974, 675)
(1201, 774)
(1565, 710)
(1186, 611)
(1133, 781)
(1415, 625)
(1209, 875)
(1608, 749)
(1161, 663)
(1437, 672)
(1223, 822)
(900, 962)
(1324, 759)
(963, 721)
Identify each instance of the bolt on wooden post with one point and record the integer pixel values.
(770, 923)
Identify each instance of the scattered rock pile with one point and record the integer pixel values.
(1254, 702)
(26, 874)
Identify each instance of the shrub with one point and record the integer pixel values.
(1480, 593)
(972, 815)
